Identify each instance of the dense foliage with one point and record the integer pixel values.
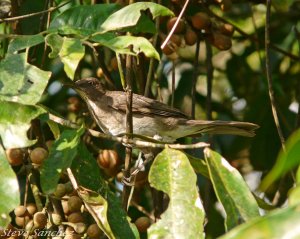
(225, 60)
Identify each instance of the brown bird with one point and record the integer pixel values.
(150, 117)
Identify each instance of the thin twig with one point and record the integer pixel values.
(120, 67)
(297, 34)
(151, 64)
(51, 9)
(269, 76)
(209, 79)
(129, 129)
(175, 25)
(131, 142)
(45, 45)
(195, 77)
(173, 84)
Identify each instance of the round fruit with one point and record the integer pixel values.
(226, 29)
(31, 208)
(38, 155)
(99, 72)
(79, 227)
(75, 217)
(60, 190)
(143, 223)
(114, 64)
(226, 5)
(72, 236)
(221, 41)
(180, 27)
(190, 37)
(94, 231)
(167, 50)
(22, 221)
(108, 159)
(176, 39)
(20, 211)
(39, 220)
(201, 21)
(74, 204)
(74, 104)
(15, 156)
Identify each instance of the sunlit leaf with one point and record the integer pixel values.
(21, 82)
(9, 190)
(172, 173)
(130, 15)
(61, 155)
(70, 51)
(14, 123)
(285, 161)
(282, 223)
(23, 41)
(231, 190)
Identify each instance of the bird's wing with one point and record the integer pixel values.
(143, 105)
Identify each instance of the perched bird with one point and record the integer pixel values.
(150, 117)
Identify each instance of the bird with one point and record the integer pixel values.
(150, 117)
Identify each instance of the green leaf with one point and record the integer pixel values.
(281, 223)
(98, 205)
(294, 195)
(285, 161)
(231, 190)
(172, 173)
(129, 16)
(87, 174)
(83, 20)
(14, 123)
(123, 44)
(199, 165)
(61, 155)
(54, 128)
(282, 5)
(20, 81)
(24, 41)
(9, 190)
(70, 51)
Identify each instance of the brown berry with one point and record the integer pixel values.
(22, 221)
(94, 231)
(60, 190)
(167, 50)
(31, 208)
(109, 159)
(15, 156)
(226, 5)
(79, 227)
(190, 37)
(143, 223)
(38, 155)
(49, 144)
(176, 39)
(75, 217)
(20, 211)
(74, 204)
(180, 27)
(74, 104)
(39, 220)
(201, 21)
(99, 72)
(114, 64)
(226, 29)
(220, 41)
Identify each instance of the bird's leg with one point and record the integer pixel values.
(140, 166)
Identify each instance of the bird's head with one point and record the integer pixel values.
(89, 87)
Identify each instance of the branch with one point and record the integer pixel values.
(51, 9)
(269, 76)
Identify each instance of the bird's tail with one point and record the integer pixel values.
(222, 127)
